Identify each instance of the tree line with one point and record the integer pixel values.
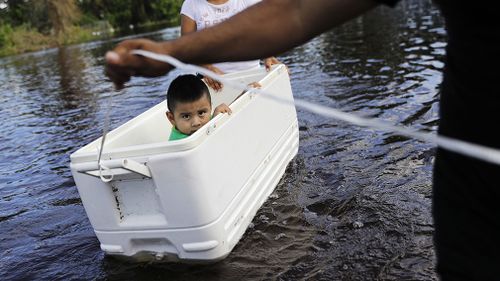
(61, 19)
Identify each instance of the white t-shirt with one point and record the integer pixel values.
(206, 14)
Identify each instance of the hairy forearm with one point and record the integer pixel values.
(266, 29)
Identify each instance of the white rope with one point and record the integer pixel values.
(465, 148)
(109, 176)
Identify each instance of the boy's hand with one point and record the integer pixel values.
(222, 108)
(255, 85)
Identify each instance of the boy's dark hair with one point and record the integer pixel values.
(186, 88)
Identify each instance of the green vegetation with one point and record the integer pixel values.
(29, 25)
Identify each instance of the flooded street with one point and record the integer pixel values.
(355, 204)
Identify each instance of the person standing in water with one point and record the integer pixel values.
(200, 14)
(466, 191)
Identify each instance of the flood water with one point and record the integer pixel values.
(355, 204)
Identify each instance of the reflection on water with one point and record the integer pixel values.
(353, 205)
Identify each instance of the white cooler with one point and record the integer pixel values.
(190, 199)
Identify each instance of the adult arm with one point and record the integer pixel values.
(267, 28)
(188, 25)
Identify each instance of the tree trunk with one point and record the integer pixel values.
(62, 14)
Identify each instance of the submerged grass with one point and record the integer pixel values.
(24, 39)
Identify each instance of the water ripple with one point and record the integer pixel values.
(353, 205)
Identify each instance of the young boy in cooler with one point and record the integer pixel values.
(189, 106)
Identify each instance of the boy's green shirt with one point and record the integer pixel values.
(176, 135)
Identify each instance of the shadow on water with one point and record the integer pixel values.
(353, 205)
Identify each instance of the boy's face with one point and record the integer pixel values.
(188, 117)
